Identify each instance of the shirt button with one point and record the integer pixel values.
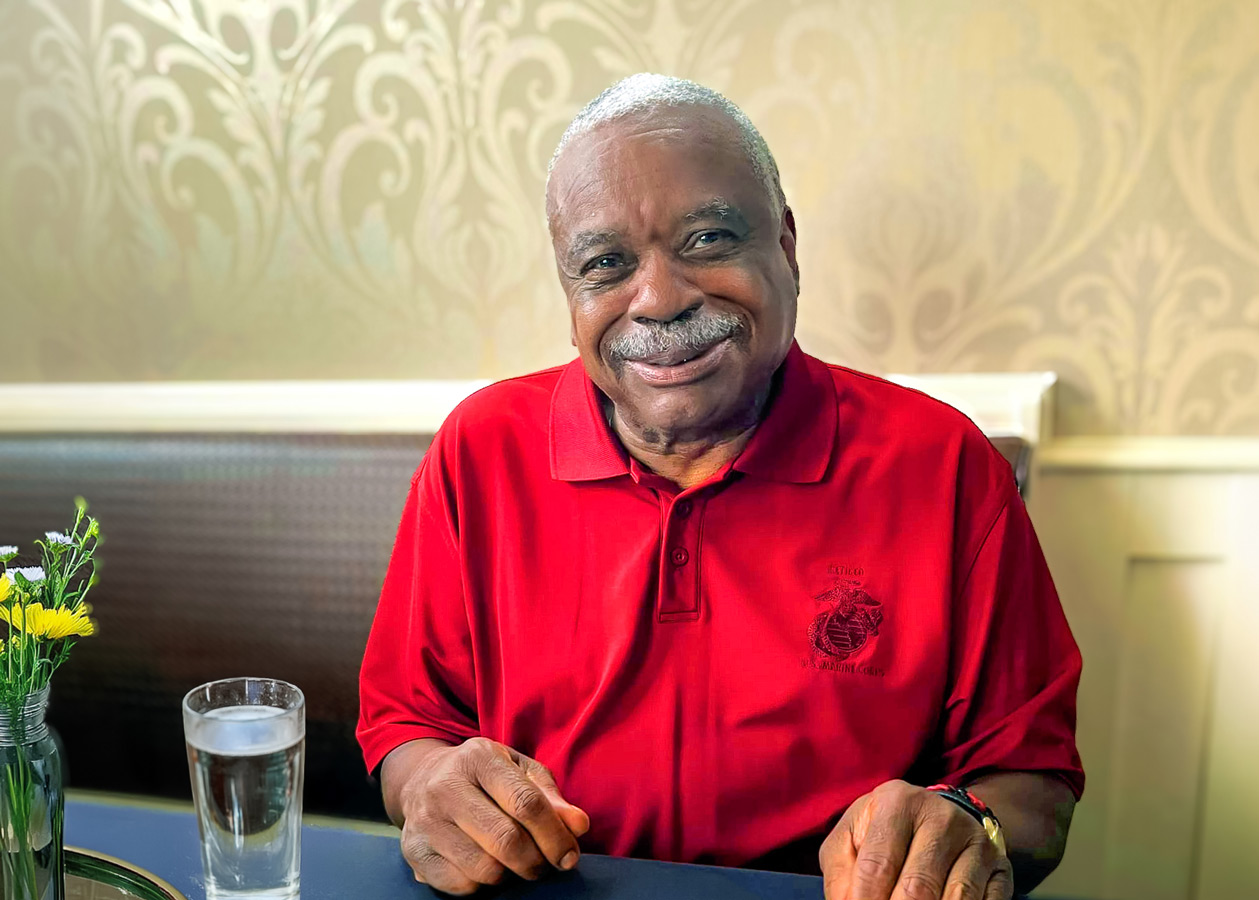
(679, 556)
(683, 509)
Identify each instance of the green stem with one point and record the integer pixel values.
(20, 869)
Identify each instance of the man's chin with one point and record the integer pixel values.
(686, 414)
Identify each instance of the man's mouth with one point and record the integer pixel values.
(680, 366)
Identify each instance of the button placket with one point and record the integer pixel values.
(679, 581)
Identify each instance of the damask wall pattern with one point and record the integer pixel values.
(226, 189)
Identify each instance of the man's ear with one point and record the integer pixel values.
(572, 318)
(787, 240)
(568, 299)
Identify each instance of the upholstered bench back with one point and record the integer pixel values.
(223, 555)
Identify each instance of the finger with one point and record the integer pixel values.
(433, 869)
(882, 854)
(462, 851)
(972, 873)
(1001, 884)
(495, 832)
(522, 799)
(572, 816)
(941, 833)
(837, 858)
(861, 826)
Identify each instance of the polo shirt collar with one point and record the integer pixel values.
(583, 447)
(796, 440)
(794, 443)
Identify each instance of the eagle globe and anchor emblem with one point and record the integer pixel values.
(849, 623)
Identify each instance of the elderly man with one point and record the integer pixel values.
(699, 596)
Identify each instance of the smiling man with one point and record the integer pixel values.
(699, 596)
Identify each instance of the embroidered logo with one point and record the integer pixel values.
(848, 624)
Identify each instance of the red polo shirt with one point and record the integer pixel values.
(715, 674)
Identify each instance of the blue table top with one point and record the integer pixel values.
(341, 863)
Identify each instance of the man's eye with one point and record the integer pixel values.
(607, 261)
(706, 238)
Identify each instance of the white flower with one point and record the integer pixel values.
(8, 550)
(56, 537)
(30, 573)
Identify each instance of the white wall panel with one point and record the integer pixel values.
(1228, 846)
(1156, 567)
(1170, 624)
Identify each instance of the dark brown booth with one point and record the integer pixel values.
(223, 555)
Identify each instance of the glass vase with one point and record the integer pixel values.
(32, 805)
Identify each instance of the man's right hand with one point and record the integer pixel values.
(472, 812)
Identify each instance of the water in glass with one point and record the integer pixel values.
(246, 763)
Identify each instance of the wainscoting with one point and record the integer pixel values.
(1154, 545)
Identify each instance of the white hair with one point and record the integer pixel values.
(645, 92)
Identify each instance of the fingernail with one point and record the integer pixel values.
(569, 860)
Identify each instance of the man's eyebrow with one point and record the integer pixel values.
(585, 241)
(717, 208)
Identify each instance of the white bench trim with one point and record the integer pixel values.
(1016, 404)
(382, 407)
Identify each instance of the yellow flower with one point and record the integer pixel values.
(50, 624)
(64, 623)
(4, 586)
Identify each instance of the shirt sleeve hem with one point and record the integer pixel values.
(1072, 778)
(383, 741)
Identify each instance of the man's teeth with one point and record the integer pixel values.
(679, 362)
(686, 359)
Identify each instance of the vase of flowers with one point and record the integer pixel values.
(45, 611)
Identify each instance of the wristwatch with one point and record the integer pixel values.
(977, 808)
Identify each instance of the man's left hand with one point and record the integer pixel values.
(901, 842)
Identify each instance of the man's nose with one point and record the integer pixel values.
(662, 293)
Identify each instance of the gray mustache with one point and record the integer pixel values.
(685, 333)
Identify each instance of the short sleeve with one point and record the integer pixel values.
(417, 679)
(1015, 666)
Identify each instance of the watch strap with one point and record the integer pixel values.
(978, 809)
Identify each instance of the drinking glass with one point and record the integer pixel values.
(246, 741)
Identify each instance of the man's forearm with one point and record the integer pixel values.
(397, 769)
(1035, 812)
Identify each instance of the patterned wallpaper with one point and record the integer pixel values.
(221, 189)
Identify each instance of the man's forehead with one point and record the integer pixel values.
(625, 167)
(674, 123)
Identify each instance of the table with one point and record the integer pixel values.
(344, 863)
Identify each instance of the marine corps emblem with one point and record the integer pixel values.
(850, 621)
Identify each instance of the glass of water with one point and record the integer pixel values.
(246, 742)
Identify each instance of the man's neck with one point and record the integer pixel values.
(687, 460)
